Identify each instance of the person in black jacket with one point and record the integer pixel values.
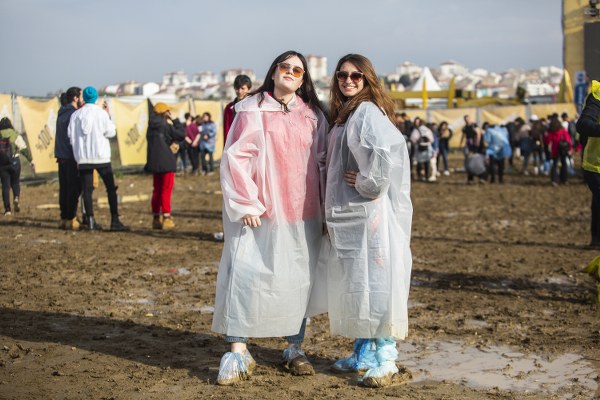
(164, 134)
(68, 176)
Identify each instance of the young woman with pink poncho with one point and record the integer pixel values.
(272, 218)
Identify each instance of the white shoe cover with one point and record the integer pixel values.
(386, 355)
(235, 367)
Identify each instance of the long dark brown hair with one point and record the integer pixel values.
(306, 92)
(555, 124)
(341, 106)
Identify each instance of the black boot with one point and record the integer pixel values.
(85, 221)
(93, 225)
(116, 225)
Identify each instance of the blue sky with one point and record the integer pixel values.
(53, 44)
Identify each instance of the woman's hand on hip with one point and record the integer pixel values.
(350, 178)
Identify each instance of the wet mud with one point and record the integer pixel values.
(499, 307)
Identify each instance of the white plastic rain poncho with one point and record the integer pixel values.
(269, 168)
(368, 275)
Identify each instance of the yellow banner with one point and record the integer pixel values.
(455, 117)
(39, 122)
(543, 110)
(6, 106)
(502, 115)
(131, 123)
(215, 108)
(178, 110)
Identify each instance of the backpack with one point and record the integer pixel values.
(423, 142)
(563, 147)
(6, 156)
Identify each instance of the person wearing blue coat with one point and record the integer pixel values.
(208, 139)
(498, 149)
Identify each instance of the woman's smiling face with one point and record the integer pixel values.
(349, 87)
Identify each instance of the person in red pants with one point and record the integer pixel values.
(164, 134)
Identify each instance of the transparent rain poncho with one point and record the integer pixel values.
(368, 273)
(270, 167)
(497, 140)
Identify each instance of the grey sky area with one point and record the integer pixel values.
(53, 44)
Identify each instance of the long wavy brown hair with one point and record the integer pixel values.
(341, 106)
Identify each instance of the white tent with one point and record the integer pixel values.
(432, 84)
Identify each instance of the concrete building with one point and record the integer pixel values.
(317, 67)
(147, 89)
(410, 69)
(204, 79)
(452, 68)
(177, 79)
(229, 74)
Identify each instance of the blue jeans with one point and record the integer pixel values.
(444, 153)
(295, 339)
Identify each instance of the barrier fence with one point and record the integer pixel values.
(37, 121)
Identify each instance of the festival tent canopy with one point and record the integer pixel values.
(430, 83)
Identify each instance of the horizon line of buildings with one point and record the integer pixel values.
(543, 82)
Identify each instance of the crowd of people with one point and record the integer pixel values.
(317, 211)
(550, 143)
(197, 148)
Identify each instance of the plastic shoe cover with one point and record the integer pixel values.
(235, 367)
(386, 355)
(295, 361)
(362, 359)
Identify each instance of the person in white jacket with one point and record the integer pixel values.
(369, 214)
(89, 129)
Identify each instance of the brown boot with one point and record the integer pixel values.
(295, 361)
(63, 224)
(168, 223)
(73, 224)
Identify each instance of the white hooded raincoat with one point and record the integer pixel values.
(368, 274)
(269, 168)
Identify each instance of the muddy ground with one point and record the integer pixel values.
(497, 269)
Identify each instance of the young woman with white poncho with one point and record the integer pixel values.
(368, 213)
(272, 218)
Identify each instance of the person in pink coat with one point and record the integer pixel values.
(558, 141)
(272, 220)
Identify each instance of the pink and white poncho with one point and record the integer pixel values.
(270, 168)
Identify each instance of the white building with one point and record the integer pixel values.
(317, 67)
(452, 68)
(205, 79)
(480, 72)
(410, 69)
(177, 79)
(111, 89)
(547, 72)
(229, 75)
(147, 89)
(539, 88)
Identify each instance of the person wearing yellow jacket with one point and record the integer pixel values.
(588, 127)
